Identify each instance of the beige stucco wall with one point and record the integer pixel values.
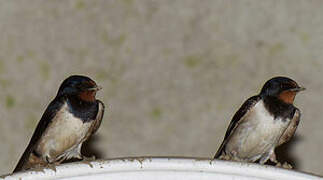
(173, 72)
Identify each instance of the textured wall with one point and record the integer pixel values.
(173, 72)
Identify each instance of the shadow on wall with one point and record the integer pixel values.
(88, 149)
(284, 152)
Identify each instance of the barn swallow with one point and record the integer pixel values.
(262, 123)
(69, 120)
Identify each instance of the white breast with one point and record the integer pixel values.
(63, 134)
(258, 132)
(266, 123)
(265, 127)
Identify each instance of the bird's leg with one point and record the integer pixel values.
(273, 158)
(231, 156)
(80, 156)
(35, 163)
(60, 161)
(52, 163)
(285, 165)
(224, 157)
(87, 160)
(266, 156)
(92, 158)
(41, 167)
(38, 168)
(263, 160)
(52, 166)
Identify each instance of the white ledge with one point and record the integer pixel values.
(161, 169)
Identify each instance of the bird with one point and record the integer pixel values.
(263, 122)
(69, 120)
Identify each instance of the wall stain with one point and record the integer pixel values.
(2, 66)
(193, 61)
(4, 83)
(44, 69)
(305, 37)
(80, 5)
(10, 101)
(156, 113)
(20, 59)
(276, 49)
(117, 42)
(128, 2)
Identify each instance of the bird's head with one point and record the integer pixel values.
(282, 88)
(80, 86)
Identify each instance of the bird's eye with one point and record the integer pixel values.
(286, 86)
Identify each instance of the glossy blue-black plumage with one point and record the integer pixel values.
(269, 94)
(276, 85)
(73, 85)
(67, 93)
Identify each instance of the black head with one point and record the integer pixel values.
(78, 85)
(283, 88)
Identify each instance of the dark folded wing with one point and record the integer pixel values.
(246, 106)
(99, 116)
(290, 131)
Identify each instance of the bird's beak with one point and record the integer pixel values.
(96, 88)
(298, 89)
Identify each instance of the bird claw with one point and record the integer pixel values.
(38, 169)
(273, 158)
(225, 157)
(87, 160)
(285, 165)
(92, 158)
(51, 166)
(41, 168)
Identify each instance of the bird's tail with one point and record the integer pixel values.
(24, 159)
(220, 150)
(21, 163)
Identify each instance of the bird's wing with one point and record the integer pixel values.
(290, 130)
(44, 122)
(99, 117)
(246, 106)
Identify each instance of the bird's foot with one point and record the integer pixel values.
(92, 158)
(273, 158)
(285, 165)
(38, 169)
(225, 157)
(87, 160)
(52, 166)
(41, 168)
